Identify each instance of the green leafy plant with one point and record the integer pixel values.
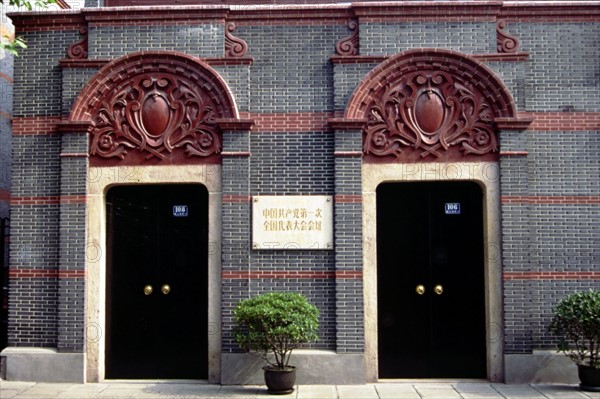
(276, 322)
(14, 45)
(577, 322)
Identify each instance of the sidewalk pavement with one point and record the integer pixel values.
(192, 390)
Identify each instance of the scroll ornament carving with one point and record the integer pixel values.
(506, 43)
(156, 115)
(79, 49)
(429, 112)
(234, 46)
(349, 45)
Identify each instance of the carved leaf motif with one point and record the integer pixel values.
(429, 112)
(349, 45)
(156, 114)
(234, 46)
(79, 49)
(506, 42)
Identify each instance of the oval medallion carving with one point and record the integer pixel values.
(155, 114)
(429, 111)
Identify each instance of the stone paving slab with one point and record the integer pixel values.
(200, 390)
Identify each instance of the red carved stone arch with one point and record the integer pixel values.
(431, 105)
(155, 107)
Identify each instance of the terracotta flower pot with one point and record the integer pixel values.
(280, 382)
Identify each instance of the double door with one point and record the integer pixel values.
(431, 312)
(157, 243)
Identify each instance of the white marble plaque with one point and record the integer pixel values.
(292, 222)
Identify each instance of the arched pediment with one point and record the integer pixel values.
(157, 107)
(430, 105)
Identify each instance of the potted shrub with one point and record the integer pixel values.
(577, 322)
(276, 323)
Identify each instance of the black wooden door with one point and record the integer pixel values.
(431, 304)
(157, 290)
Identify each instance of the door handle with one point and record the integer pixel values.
(148, 290)
(165, 289)
(438, 289)
(420, 289)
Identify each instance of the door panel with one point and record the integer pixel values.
(157, 334)
(419, 242)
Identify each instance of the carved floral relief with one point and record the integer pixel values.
(429, 112)
(155, 116)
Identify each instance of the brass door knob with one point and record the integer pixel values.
(148, 290)
(420, 289)
(165, 289)
(438, 289)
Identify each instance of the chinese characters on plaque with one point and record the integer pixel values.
(292, 222)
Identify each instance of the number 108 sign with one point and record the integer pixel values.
(452, 208)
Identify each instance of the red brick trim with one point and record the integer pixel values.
(291, 274)
(347, 124)
(45, 273)
(551, 200)
(290, 15)
(49, 200)
(85, 63)
(35, 125)
(236, 199)
(349, 274)
(235, 124)
(358, 59)
(161, 15)
(530, 11)
(574, 275)
(4, 76)
(65, 126)
(522, 122)
(43, 21)
(563, 121)
(502, 57)
(291, 122)
(348, 199)
(409, 11)
(4, 195)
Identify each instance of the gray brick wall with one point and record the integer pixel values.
(564, 163)
(73, 81)
(38, 75)
(237, 78)
(292, 163)
(345, 79)
(392, 38)
(39, 328)
(562, 72)
(206, 40)
(293, 73)
(512, 74)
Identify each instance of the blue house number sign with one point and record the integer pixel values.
(452, 208)
(180, 211)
